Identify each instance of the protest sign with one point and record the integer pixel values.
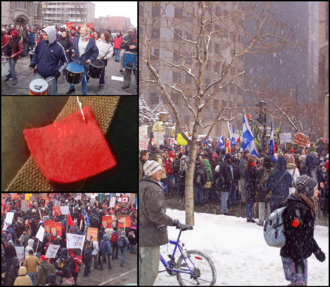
(14, 196)
(56, 229)
(52, 251)
(44, 195)
(57, 203)
(285, 138)
(143, 132)
(301, 139)
(56, 209)
(47, 201)
(47, 225)
(64, 209)
(124, 222)
(75, 241)
(143, 144)
(92, 232)
(112, 202)
(32, 198)
(20, 253)
(124, 199)
(78, 196)
(159, 138)
(27, 196)
(106, 221)
(9, 217)
(25, 205)
(40, 234)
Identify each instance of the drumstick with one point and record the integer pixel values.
(50, 79)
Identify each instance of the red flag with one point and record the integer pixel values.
(70, 222)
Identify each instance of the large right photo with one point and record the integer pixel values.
(233, 143)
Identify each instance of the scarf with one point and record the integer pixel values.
(253, 164)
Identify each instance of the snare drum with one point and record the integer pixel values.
(5, 67)
(95, 69)
(129, 60)
(74, 73)
(39, 87)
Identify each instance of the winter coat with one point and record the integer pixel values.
(169, 166)
(96, 248)
(29, 247)
(117, 232)
(31, 37)
(31, 263)
(117, 42)
(41, 275)
(77, 260)
(251, 183)
(311, 169)
(279, 181)
(22, 279)
(19, 49)
(225, 177)
(159, 159)
(65, 272)
(263, 174)
(153, 219)
(299, 241)
(293, 170)
(25, 238)
(132, 241)
(13, 233)
(48, 56)
(242, 163)
(125, 239)
(199, 174)
(52, 280)
(104, 48)
(208, 170)
(129, 41)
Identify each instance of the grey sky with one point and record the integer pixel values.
(122, 8)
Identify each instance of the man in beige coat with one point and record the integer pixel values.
(31, 263)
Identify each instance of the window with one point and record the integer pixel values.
(217, 48)
(155, 10)
(164, 100)
(141, 10)
(155, 33)
(21, 4)
(217, 67)
(154, 99)
(176, 56)
(175, 98)
(155, 55)
(35, 9)
(176, 77)
(177, 13)
(189, 60)
(177, 31)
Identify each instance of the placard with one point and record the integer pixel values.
(75, 241)
(57, 203)
(124, 199)
(143, 144)
(159, 138)
(40, 234)
(92, 232)
(143, 132)
(64, 209)
(20, 253)
(47, 225)
(285, 138)
(106, 221)
(78, 196)
(14, 196)
(27, 196)
(52, 251)
(113, 202)
(124, 222)
(25, 205)
(301, 139)
(56, 229)
(44, 195)
(9, 217)
(56, 209)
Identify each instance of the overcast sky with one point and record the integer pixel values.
(122, 8)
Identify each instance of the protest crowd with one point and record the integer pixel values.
(46, 238)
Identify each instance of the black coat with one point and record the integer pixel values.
(225, 177)
(262, 174)
(251, 183)
(299, 241)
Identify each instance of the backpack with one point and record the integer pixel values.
(131, 235)
(122, 242)
(114, 237)
(183, 167)
(72, 264)
(104, 246)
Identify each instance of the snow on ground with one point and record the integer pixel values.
(239, 251)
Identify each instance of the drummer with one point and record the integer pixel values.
(105, 52)
(85, 51)
(48, 54)
(129, 44)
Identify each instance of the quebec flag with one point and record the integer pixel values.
(271, 144)
(233, 138)
(221, 143)
(248, 139)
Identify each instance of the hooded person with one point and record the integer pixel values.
(50, 59)
(293, 170)
(312, 169)
(14, 49)
(278, 184)
(298, 220)
(29, 247)
(23, 279)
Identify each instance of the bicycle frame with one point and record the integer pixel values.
(168, 268)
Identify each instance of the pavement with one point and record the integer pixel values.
(111, 87)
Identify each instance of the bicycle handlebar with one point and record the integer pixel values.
(185, 227)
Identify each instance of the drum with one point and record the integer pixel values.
(74, 73)
(5, 66)
(129, 60)
(39, 87)
(95, 69)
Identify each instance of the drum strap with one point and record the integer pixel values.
(30, 178)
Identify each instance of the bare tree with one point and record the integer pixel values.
(209, 25)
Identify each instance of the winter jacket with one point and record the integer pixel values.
(52, 280)
(96, 248)
(65, 272)
(117, 42)
(311, 169)
(67, 45)
(87, 254)
(125, 239)
(22, 279)
(19, 49)
(129, 41)
(279, 181)
(251, 183)
(263, 174)
(10, 252)
(116, 231)
(299, 241)
(47, 56)
(208, 170)
(132, 241)
(41, 275)
(13, 233)
(31, 263)
(153, 219)
(25, 238)
(29, 247)
(77, 260)
(104, 48)
(159, 159)
(225, 177)
(242, 164)
(169, 166)
(32, 36)
(106, 239)
(199, 174)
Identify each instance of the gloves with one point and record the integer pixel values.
(57, 74)
(320, 256)
(177, 224)
(32, 65)
(300, 266)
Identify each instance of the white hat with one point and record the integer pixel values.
(151, 167)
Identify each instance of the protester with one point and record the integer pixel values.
(43, 271)
(31, 263)
(250, 175)
(105, 250)
(23, 279)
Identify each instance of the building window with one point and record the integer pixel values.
(176, 77)
(189, 60)
(155, 10)
(21, 4)
(36, 9)
(217, 48)
(141, 10)
(177, 31)
(177, 13)
(154, 99)
(175, 98)
(217, 67)
(176, 56)
(155, 33)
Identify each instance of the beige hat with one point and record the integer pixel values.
(131, 28)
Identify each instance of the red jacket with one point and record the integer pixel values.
(77, 260)
(19, 51)
(168, 166)
(5, 39)
(117, 42)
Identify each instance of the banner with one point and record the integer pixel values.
(143, 144)
(92, 232)
(228, 148)
(27, 196)
(124, 199)
(90, 25)
(68, 25)
(40, 234)
(52, 251)
(180, 140)
(124, 222)
(301, 139)
(64, 209)
(56, 209)
(78, 196)
(20, 253)
(75, 241)
(24, 205)
(113, 202)
(285, 138)
(56, 229)
(159, 138)
(106, 221)
(9, 217)
(14, 196)
(47, 225)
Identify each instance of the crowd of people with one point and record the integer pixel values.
(258, 183)
(113, 242)
(79, 44)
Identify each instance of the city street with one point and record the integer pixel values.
(111, 87)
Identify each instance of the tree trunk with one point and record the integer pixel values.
(189, 188)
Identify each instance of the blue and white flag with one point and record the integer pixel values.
(221, 143)
(271, 144)
(233, 137)
(86, 219)
(248, 139)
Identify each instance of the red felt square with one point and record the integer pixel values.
(70, 149)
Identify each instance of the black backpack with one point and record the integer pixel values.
(176, 166)
(72, 264)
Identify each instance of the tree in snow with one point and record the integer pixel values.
(146, 115)
(166, 57)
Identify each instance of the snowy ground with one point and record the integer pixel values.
(239, 251)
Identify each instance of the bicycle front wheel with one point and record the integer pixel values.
(201, 269)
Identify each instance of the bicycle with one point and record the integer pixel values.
(192, 265)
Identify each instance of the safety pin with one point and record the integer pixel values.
(80, 105)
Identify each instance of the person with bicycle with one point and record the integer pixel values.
(153, 222)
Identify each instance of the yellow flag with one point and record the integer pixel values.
(180, 140)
